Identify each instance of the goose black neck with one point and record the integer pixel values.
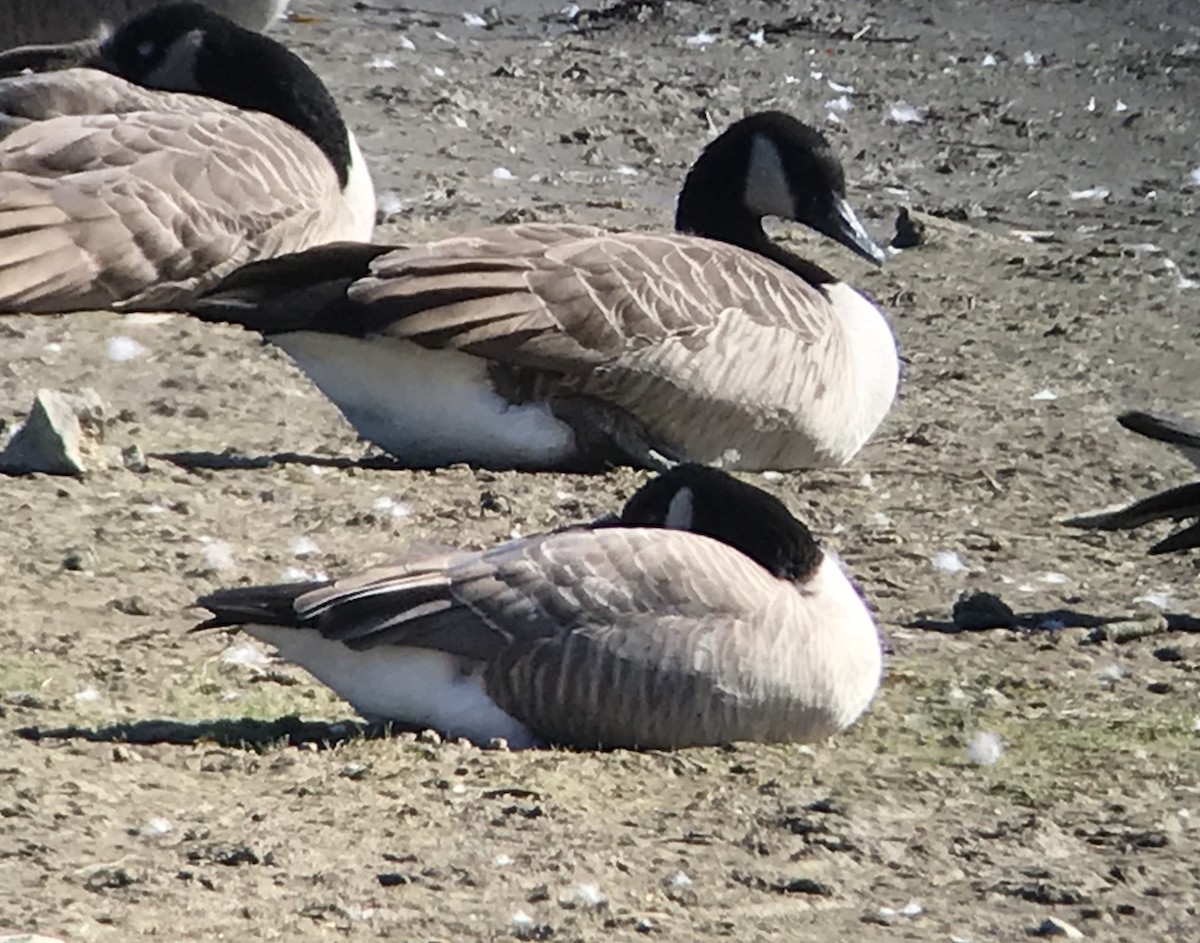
(710, 207)
(247, 70)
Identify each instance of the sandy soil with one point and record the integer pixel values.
(156, 782)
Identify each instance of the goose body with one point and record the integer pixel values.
(564, 346)
(196, 146)
(1175, 504)
(57, 21)
(706, 614)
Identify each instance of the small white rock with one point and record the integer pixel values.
(989, 60)
(1044, 396)
(502, 173)
(379, 63)
(474, 20)
(1194, 176)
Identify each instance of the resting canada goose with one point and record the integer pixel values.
(706, 614)
(58, 21)
(116, 195)
(562, 346)
(1175, 504)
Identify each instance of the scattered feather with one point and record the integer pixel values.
(1163, 600)
(379, 63)
(1044, 396)
(88, 695)
(305, 547)
(121, 349)
(839, 105)
(1120, 106)
(947, 561)
(904, 113)
(474, 20)
(583, 896)
(989, 60)
(502, 173)
(156, 827)
(1054, 577)
(217, 555)
(388, 205)
(702, 38)
(758, 38)
(1029, 58)
(985, 749)
(1194, 176)
(1112, 673)
(1090, 193)
(839, 88)
(405, 43)
(246, 655)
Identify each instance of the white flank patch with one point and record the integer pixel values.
(427, 407)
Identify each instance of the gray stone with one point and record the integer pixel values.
(61, 428)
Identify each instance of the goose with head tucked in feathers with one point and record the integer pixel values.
(64, 21)
(189, 147)
(706, 614)
(1175, 504)
(564, 346)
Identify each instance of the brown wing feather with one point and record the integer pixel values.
(143, 208)
(567, 298)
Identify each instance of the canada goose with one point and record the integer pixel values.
(122, 195)
(564, 346)
(1175, 504)
(706, 614)
(57, 21)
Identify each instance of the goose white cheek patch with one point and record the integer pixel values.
(767, 191)
(680, 512)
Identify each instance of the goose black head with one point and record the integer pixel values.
(713, 503)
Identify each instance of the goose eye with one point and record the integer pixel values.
(145, 47)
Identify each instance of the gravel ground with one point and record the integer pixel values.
(160, 782)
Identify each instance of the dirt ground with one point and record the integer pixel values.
(158, 782)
